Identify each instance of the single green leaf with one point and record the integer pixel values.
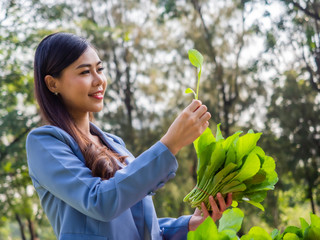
(293, 229)
(231, 219)
(231, 156)
(256, 179)
(189, 90)
(303, 224)
(311, 233)
(204, 160)
(268, 184)
(217, 159)
(250, 131)
(275, 234)
(234, 186)
(259, 151)
(256, 204)
(191, 235)
(268, 165)
(257, 196)
(219, 136)
(246, 144)
(230, 140)
(290, 236)
(250, 167)
(315, 220)
(256, 233)
(206, 230)
(227, 234)
(195, 58)
(205, 139)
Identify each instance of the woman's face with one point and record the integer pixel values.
(82, 84)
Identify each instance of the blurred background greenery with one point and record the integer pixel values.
(261, 71)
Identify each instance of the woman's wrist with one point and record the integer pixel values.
(174, 149)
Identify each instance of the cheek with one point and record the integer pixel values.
(75, 89)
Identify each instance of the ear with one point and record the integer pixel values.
(52, 83)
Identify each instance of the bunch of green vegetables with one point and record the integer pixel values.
(231, 221)
(234, 164)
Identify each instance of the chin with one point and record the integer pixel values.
(96, 110)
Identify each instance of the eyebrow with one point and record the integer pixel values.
(87, 65)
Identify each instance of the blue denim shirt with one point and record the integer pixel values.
(80, 206)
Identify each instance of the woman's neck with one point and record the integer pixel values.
(83, 123)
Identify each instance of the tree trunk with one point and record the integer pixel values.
(310, 195)
(21, 226)
(33, 235)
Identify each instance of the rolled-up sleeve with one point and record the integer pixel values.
(55, 166)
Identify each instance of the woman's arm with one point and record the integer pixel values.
(59, 169)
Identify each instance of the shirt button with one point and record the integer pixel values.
(160, 185)
(151, 193)
(171, 175)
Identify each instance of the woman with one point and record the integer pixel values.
(89, 184)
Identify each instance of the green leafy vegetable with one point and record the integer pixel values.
(231, 221)
(235, 164)
(229, 224)
(196, 60)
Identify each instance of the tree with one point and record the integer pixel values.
(305, 18)
(294, 110)
(18, 117)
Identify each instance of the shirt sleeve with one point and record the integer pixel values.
(175, 228)
(55, 166)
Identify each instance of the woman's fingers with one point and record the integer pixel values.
(221, 202)
(197, 212)
(229, 199)
(205, 117)
(216, 213)
(204, 210)
(194, 105)
(213, 204)
(200, 111)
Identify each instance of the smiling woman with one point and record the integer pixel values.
(89, 184)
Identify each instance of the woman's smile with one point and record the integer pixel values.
(98, 95)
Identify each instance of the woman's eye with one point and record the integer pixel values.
(100, 69)
(85, 72)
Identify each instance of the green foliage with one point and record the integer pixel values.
(133, 49)
(231, 221)
(234, 165)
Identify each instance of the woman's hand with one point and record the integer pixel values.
(187, 127)
(197, 218)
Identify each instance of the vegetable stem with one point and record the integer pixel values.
(198, 84)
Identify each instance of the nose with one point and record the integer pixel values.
(99, 79)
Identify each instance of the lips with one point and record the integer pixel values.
(97, 95)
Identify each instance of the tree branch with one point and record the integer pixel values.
(17, 139)
(208, 36)
(314, 15)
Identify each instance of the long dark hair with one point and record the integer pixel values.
(54, 53)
